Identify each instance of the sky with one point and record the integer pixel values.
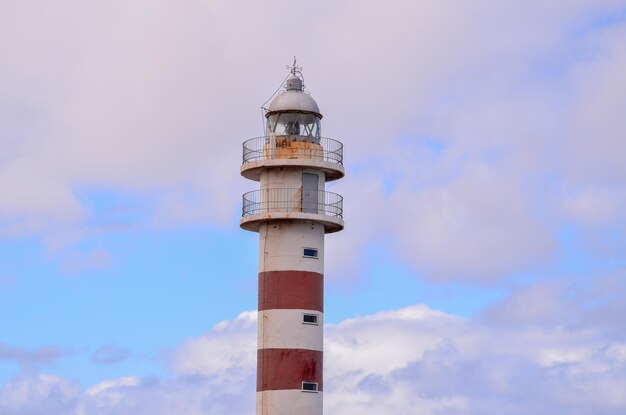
(482, 269)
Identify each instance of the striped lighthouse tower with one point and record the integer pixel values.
(292, 212)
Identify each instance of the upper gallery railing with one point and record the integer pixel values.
(289, 147)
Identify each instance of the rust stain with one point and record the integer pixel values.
(299, 206)
(288, 149)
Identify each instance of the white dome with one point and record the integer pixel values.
(293, 99)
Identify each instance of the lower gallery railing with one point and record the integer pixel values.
(292, 200)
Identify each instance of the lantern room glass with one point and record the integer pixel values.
(300, 125)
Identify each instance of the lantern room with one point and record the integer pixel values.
(294, 115)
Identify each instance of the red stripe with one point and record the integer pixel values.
(280, 369)
(290, 290)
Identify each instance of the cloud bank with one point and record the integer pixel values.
(485, 126)
(549, 349)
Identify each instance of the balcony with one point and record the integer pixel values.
(265, 205)
(297, 151)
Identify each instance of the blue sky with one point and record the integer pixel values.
(483, 265)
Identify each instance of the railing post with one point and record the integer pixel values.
(272, 146)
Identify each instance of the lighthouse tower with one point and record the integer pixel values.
(291, 211)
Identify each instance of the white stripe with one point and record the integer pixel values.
(281, 246)
(284, 329)
(289, 402)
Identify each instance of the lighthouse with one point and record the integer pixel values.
(292, 212)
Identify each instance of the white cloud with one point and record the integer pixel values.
(356, 344)
(110, 354)
(110, 393)
(597, 126)
(30, 358)
(40, 394)
(108, 384)
(479, 226)
(225, 357)
(593, 205)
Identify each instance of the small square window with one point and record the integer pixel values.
(310, 252)
(309, 319)
(309, 386)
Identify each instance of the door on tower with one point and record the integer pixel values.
(310, 183)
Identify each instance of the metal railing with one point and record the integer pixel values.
(285, 147)
(292, 200)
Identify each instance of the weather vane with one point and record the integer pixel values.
(295, 68)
